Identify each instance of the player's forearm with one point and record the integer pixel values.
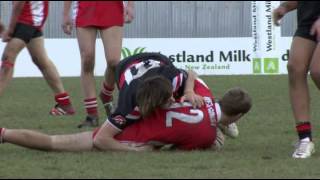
(17, 9)
(192, 76)
(66, 8)
(289, 5)
(110, 144)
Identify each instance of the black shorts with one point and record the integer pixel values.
(26, 32)
(304, 32)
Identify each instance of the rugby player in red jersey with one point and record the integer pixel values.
(91, 18)
(25, 30)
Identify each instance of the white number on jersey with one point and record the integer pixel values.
(139, 70)
(195, 116)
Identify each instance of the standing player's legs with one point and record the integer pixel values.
(35, 140)
(12, 49)
(298, 66)
(87, 42)
(112, 41)
(51, 75)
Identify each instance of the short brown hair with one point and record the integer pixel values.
(152, 93)
(235, 101)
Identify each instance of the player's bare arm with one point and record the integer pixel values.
(282, 10)
(189, 94)
(315, 30)
(129, 12)
(104, 140)
(17, 9)
(67, 23)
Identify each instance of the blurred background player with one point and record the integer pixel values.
(25, 30)
(91, 18)
(179, 124)
(304, 57)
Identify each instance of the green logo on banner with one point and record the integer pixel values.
(271, 65)
(125, 52)
(257, 66)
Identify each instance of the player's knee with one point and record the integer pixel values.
(88, 66)
(295, 69)
(36, 61)
(88, 56)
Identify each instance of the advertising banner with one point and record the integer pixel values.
(266, 52)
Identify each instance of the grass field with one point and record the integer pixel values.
(263, 149)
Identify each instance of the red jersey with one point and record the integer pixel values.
(181, 125)
(101, 14)
(34, 13)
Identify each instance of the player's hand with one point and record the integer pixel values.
(67, 25)
(128, 14)
(6, 36)
(278, 14)
(315, 30)
(196, 100)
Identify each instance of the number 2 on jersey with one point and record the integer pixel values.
(195, 116)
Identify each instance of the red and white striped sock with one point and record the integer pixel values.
(91, 106)
(63, 99)
(106, 93)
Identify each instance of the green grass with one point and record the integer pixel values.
(263, 149)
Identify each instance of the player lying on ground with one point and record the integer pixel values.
(178, 124)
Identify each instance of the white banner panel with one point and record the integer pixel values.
(207, 56)
(266, 52)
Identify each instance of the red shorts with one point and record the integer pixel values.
(99, 14)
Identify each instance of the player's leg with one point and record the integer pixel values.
(87, 42)
(73, 142)
(12, 49)
(51, 75)
(112, 41)
(36, 140)
(298, 66)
